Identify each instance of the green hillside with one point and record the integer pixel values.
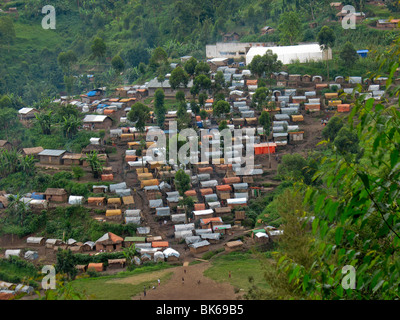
(132, 29)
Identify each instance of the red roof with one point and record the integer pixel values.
(224, 187)
(252, 82)
(208, 220)
(231, 180)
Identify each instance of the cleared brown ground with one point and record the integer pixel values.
(189, 289)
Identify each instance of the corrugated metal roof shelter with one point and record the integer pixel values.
(163, 212)
(143, 230)
(156, 203)
(52, 153)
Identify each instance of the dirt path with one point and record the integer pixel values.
(189, 289)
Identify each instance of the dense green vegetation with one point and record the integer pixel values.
(16, 270)
(124, 285)
(106, 38)
(61, 223)
(245, 268)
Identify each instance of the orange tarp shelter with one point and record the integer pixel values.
(224, 187)
(96, 266)
(206, 170)
(159, 244)
(343, 108)
(264, 148)
(231, 180)
(190, 193)
(107, 177)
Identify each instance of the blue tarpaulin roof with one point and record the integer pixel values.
(91, 93)
(37, 196)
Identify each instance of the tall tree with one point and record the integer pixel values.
(139, 114)
(66, 60)
(268, 63)
(158, 58)
(348, 55)
(98, 48)
(261, 98)
(190, 66)
(221, 108)
(182, 181)
(159, 107)
(118, 64)
(95, 163)
(45, 121)
(290, 27)
(178, 78)
(326, 39)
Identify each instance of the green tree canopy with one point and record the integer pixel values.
(221, 108)
(178, 78)
(348, 54)
(332, 128)
(118, 64)
(182, 181)
(267, 63)
(190, 66)
(98, 48)
(290, 27)
(139, 114)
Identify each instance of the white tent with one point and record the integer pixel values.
(287, 54)
(9, 253)
(171, 252)
(158, 256)
(203, 212)
(75, 200)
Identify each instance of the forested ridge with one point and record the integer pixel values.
(131, 30)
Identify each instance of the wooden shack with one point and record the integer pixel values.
(72, 159)
(109, 242)
(96, 201)
(56, 195)
(233, 245)
(116, 263)
(49, 156)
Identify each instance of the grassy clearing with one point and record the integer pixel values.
(124, 285)
(170, 104)
(242, 266)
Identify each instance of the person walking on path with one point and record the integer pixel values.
(183, 280)
(159, 281)
(144, 290)
(229, 274)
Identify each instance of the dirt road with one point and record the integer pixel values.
(190, 289)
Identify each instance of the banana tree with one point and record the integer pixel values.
(44, 120)
(95, 163)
